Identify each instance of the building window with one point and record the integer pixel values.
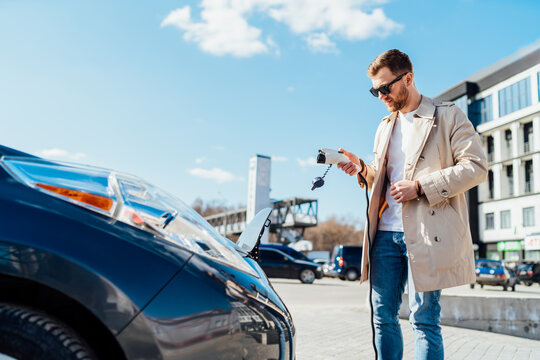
(514, 97)
(529, 176)
(490, 184)
(480, 111)
(510, 177)
(490, 147)
(527, 137)
(490, 221)
(528, 216)
(462, 104)
(506, 221)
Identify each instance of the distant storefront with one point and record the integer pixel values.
(531, 245)
(515, 250)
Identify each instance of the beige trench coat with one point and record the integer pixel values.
(446, 156)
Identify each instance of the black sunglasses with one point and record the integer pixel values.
(385, 89)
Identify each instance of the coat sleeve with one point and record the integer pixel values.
(470, 163)
(371, 169)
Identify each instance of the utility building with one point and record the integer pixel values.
(503, 102)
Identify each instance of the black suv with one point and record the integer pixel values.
(528, 273)
(346, 262)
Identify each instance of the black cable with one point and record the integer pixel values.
(369, 267)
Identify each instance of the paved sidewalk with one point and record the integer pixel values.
(332, 322)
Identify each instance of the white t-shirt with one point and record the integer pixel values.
(391, 219)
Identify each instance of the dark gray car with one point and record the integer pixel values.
(95, 264)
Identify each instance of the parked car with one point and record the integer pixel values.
(493, 272)
(528, 273)
(346, 262)
(95, 264)
(277, 263)
(287, 250)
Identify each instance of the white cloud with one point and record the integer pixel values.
(311, 161)
(279, 158)
(223, 28)
(320, 42)
(290, 89)
(218, 175)
(56, 153)
(200, 160)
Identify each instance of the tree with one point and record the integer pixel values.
(210, 208)
(334, 231)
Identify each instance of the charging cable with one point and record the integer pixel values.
(369, 267)
(329, 157)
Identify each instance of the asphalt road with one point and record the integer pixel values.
(333, 322)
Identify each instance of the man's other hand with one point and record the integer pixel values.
(403, 190)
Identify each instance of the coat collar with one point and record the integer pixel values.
(426, 110)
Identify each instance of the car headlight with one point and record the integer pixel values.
(128, 199)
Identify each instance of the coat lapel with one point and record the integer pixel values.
(423, 123)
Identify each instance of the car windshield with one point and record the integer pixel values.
(489, 265)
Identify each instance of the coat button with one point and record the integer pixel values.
(431, 212)
(437, 239)
(444, 193)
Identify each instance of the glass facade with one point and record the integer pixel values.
(515, 97)
(462, 104)
(481, 111)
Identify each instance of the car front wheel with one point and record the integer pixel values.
(307, 276)
(30, 334)
(351, 275)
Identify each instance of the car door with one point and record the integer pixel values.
(274, 262)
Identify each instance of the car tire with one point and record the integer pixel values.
(505, 287)
(27, 334)
(528, 283)
(482, 286)
(351, 275)
(307, 276)
(342, 277)
(514, 287)
(472, 286)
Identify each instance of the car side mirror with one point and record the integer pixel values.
(250, 239)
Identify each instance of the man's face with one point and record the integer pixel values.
(399, 94)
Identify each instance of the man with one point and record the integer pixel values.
(426, 156)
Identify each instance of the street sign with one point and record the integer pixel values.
(509, 246)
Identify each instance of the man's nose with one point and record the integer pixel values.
(382, 96)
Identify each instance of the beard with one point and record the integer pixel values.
(399, 100)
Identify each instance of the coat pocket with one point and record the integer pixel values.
(444, 233)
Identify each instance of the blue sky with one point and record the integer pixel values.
(183, 93)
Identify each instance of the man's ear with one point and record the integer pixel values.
(409, 78)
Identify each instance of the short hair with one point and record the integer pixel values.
(395, 60)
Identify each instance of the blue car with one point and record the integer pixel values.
(97, 264)
(493, 272)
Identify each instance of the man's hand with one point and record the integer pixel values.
(403, 190)
(349, 167)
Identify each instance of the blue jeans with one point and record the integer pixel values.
(390, 272)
